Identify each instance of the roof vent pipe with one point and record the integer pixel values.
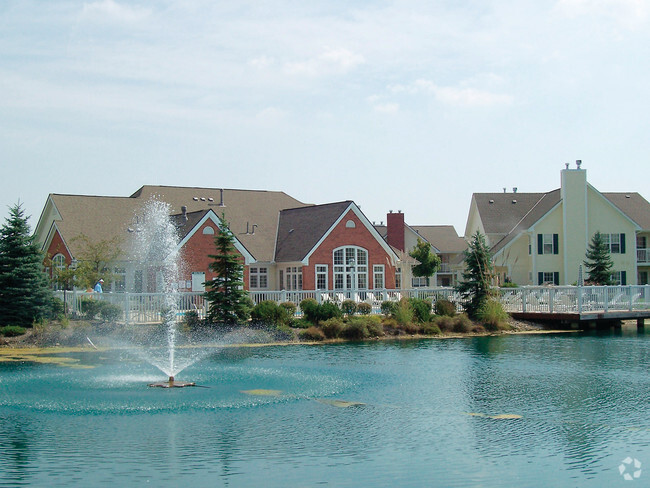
(578, 163)
(184, 212)
(514, 190)
(221, 204)
(504, 190)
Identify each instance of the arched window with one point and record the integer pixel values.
(58, 262)
(350, 268)
(207, 230)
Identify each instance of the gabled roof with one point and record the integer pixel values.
(442, 237)
(300, 229)
(102, 218)
(634, 206)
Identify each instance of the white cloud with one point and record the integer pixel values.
(111, 10)
(330, 61)
(262, 62)
(462, 95)
(629, 13)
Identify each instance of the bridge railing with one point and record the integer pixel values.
(575, 299)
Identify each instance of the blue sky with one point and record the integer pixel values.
(397, 105)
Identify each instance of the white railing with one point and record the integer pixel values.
(643, 255)
(576, 299)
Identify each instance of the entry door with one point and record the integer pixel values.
(198, 278)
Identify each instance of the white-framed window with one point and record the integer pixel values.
(615, 243)
(258, 278)
(398, 278)
(419, 281)
(548, 278)
(58, 262)
(350, 268)
(548, 243)
(619, 277)
(378, 281)
(293, 278)
(119, 279)
(321, 276)
(207, 230)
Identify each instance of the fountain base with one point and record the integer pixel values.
(171, 383)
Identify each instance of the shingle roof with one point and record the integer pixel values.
(102, 218)
(442, 237)
(300, 229)
(634, 206)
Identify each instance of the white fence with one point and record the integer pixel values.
(576, 299)
(138, 308)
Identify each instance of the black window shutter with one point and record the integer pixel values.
(556, 244)
(623, 277)
(556, 277)
(622, 243)
(540, 278)
(540, 244)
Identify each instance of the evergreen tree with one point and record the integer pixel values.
(24, 292)
(478, 274)
(229, 303)
(599, 261)
(428, 261)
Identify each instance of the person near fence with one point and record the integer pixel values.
(98, 286)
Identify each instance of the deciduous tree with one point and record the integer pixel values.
(429, 262)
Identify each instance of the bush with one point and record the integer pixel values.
(388, 308)
(301, 323)
(12, 330)
(311, 334)
(90, 308)
(329, 310)
(364, 308)
(404, 312)
(509, 284)
(309, 307)
(492, 315)
(430, 329)
(445, 323)
(57, 309)
(289, 311)
(462, 324)
(109, 312)
(191, 319)
(371, 324)
(421, 309)
(332, 328)
(349, 307)
(268, 312)
(445, 307)
(355, 330)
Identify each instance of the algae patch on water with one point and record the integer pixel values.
(339, 403)
(501, 416)
(41, 355)
(262, 392)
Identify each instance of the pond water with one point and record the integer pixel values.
(526, 410)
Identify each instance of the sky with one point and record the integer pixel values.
(397, 105)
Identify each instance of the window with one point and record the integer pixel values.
(615, 242)
(419, 281)
(258, 278)
(619, 277)
(119, 281)
(350, 268)
(548, 278)
(293, 278)
(58, 265)
(398, 278)
(321, 277)
(207, 230)
(378, 277)
(547, 244)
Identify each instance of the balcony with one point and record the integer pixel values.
(643, 256)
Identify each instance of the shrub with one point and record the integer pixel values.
(462, 324)
(430, 329)
(404, 312)
(289, 311)
(421, 309)
(12, 330)
(364, 308)
(268, 312)
(329, 310)
(57, 309)
(388, 308)
(509, 284)
(445, 307)
(492, 315)
(445, 323)
(191, 319)
(332, 328)
(349, 307)
(90, 308)
(372, 324)
(309, 307)
(311, 334)
(391, 327)
(109, 312)
(301, 323)
(356, 329)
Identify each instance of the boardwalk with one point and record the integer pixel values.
(578, 304)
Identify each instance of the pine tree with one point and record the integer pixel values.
(428, 261)
(478, 274)
(24, 289)
(229, 303)
(599, 261)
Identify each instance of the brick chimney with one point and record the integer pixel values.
(395, 229)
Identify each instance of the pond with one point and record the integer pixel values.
(517, 410)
